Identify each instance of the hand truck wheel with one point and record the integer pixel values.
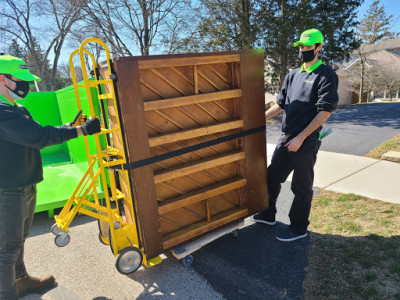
(129, 260)
(187, 260)
(62, 239)
(55, 230)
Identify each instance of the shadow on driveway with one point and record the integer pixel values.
(374, 114)
(254, 265)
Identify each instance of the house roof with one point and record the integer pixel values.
(388, 44)
(382, 58)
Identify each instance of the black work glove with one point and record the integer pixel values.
(91, 126)
(79, 119)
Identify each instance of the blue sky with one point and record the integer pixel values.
(392, 7)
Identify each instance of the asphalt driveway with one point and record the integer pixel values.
(256, 265)
(356, 129)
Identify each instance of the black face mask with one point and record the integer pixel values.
(307, 56)
(21, 90)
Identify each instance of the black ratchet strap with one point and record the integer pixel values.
(171, 154)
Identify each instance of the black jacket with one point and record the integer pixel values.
(304, 94)
(20, 140)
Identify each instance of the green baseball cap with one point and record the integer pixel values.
(17, 68)
(310, 37)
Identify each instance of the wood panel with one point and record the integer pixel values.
(136, 138)
(201, 194)
(114, 140)
(178, 62)
(191, 133)
(188, 100)
(175, 101)
(197, 166)
(251, 66)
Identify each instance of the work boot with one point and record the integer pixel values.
(27, 284)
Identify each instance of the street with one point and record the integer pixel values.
(356, 129)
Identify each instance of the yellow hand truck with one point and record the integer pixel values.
(123, 238)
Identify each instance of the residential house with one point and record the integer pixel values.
(384, 55)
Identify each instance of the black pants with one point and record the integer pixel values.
(17, 207)
(302, 164)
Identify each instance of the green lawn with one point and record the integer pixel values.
(354, 250)
(390, 145)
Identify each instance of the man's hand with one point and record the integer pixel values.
(91, 126)
(294, 144)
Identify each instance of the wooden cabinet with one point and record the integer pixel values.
(171, 102)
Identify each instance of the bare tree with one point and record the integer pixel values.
(359, 73)
(124, 23)
(362, 56)
(374, 26)
(87, 31)
(374, 70)
(181, 28)
(65, 72)
(19, 16)
(102, 24)
(381, 76)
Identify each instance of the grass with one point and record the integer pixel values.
(354, 250)
(390, 145)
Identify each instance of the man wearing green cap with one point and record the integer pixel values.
(308, 96)
(21, 169)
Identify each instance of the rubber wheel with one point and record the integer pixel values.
(55, 230)
(187, 260)
(62, 240)
(129, 260)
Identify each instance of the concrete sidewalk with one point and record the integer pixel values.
(343, 173)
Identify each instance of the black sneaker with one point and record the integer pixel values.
(289, 236)
(262, 218)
